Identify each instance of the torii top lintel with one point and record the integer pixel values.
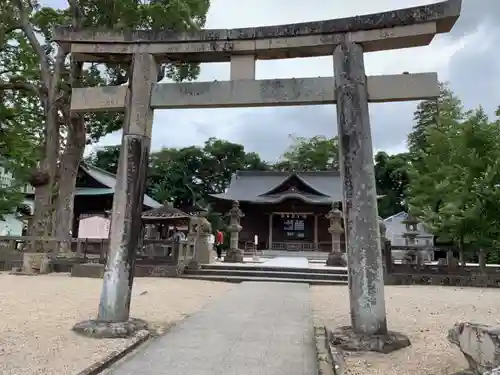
(409, 27)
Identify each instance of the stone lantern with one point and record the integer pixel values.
(335, 258)
(411, 226)
(385, 244)
(234, 254)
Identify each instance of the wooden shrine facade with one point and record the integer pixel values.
(287, 211)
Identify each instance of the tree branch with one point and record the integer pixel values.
(19, 86)
(30, 34)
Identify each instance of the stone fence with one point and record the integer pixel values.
(89, 253)
(414, 269)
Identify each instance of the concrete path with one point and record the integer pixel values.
(255, 329)
(292, 262)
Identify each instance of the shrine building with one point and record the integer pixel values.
(286, 210)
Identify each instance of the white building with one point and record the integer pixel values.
(396, 228)
(12, 225)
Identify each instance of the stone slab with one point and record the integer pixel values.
(291, 262)
(264, 49)
(258, 93)
(444, 14)
(255, 329)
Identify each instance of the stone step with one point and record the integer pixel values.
(284, 274)
(256, 267)
(240, 279)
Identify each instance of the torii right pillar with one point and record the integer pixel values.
(364, 256)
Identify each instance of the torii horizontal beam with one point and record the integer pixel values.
(409, 27)
(257, 93)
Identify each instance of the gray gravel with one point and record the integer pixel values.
(424, 313)
(37, 313)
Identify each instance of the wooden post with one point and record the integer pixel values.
(270, 231)
(316, 246)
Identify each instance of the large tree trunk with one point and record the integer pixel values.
(43, 181)
(482, 261)
(68, 171)
(70, 160)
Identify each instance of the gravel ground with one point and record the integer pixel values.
(424, 313)
(37, 313)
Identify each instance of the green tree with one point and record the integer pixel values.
(310, 154)
(51, 76)
(193, 173)
(222, 160)
(447, 109)
(20, 119)
(454, 188)
(391, 176)
(105, 158)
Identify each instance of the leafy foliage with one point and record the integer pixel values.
(391, 177)
(455, 180)
(310, 154)
(48, 76)
(447, 109)
(105, 158)
(21, 118)
(183, 176)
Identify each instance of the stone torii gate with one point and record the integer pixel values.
(346, 40)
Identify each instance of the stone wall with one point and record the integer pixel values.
(95, 270)
(412, 274)
(481, 281)
(10, 259)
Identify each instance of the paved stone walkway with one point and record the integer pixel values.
(255, 329)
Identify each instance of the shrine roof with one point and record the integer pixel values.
(165, 212)
(108, 182)
(323, 187)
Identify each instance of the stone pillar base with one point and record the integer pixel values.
(346, 339)
(336, 259)
(37, 263)
(234, 256)
(110, 330)
(193, 265)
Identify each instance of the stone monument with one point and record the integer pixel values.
(203, 251)
(347, 39)
(335, 257)
(234, 254)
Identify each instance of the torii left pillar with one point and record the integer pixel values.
(113, 319)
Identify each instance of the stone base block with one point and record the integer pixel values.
(495, 371)
(193, 265)
(346, 339)
(336, 259)
(94, 270)
(234, 256)
(479, 343)
(37, 263)
(110, 330)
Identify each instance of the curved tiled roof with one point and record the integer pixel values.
(109, 180)
(257, 187)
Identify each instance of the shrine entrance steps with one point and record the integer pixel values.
(270, 271)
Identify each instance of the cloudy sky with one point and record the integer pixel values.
(468, 58)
